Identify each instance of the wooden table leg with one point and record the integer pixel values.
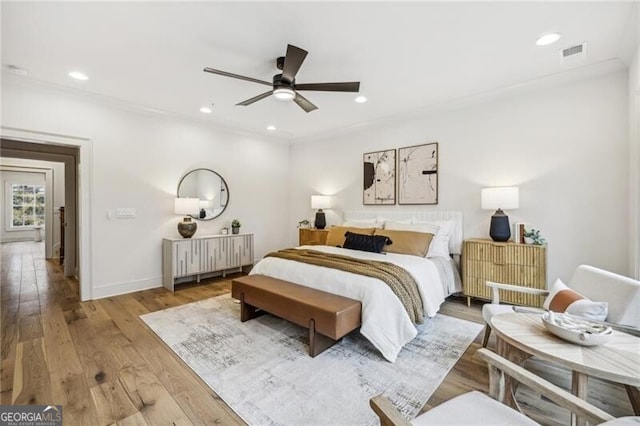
(579, 389)
(518, 357)
(634, 397)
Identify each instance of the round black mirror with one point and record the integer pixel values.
(210, 188)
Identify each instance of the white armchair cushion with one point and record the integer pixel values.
(489, 310)
(563, 299)
(622, 293)
(472, 408)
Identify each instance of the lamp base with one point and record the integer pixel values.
(500, 229)
(187, 228)
(321, 221)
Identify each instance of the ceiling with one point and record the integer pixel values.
(407, 56)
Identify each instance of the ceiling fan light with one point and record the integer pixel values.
(284, 93)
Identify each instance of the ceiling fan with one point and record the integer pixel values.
(284, 85)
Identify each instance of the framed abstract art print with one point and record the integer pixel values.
(379, 177)
(418, 174)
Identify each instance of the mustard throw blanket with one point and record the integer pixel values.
(399, 280)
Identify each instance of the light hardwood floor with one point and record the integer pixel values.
(105, 366)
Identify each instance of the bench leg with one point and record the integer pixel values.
(318, 343)
(248, 311)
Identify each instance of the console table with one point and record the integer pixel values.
(208, 254)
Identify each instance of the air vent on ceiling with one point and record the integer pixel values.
(573, 53)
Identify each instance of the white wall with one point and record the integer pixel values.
(137, 162)
(565, 147)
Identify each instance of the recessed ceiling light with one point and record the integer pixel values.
(361, 99)
(206, 110)
(78, 75)
(548, 39)
(271, 127)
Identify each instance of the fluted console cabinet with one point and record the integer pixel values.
(509, 263)
(209, 254)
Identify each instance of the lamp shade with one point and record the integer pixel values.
(187, 205)
(320, 202)
(506, 197)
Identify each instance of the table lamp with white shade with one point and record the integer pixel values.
(499, 198)
(320, 202)
(187, 206)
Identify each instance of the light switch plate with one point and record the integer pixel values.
(125, 213)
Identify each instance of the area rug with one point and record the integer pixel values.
(262, 370)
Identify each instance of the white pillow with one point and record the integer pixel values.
(390, 223)
(429, 228)
(440, 244)
(364, 223)
(563, 299)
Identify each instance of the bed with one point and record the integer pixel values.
(385, 322)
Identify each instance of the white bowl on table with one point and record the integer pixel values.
(576, 330)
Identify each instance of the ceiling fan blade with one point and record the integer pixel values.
(304, 103)
(353, 86)
(256, 98)
(240, 77)
(292, 62)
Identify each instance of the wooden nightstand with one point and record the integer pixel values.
(508, 263)
(312, 237)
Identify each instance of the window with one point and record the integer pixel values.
(28, 205)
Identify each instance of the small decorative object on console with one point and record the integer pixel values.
(235, 226)
(533, 236)
(187, 206)
(304, 224)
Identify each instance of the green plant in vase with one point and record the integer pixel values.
(533, 236)
(304, 224)
(235, 226)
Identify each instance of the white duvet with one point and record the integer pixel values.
(385, 322)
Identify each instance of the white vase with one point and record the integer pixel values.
(528, 240)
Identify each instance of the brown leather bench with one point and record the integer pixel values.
(328, 316)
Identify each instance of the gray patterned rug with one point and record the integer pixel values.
(262, 370)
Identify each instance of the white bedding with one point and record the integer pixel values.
(385, 321)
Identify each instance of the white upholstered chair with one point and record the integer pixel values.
(479, 409)
(621, 293)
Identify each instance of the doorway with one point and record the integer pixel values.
(75, 153)
(32, 192)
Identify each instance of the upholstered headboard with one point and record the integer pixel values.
(455, 243)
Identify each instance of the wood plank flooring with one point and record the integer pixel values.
(106, 367)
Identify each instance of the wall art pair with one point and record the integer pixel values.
(417, 175)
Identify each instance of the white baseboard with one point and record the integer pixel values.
(16, 239)
(123, 288)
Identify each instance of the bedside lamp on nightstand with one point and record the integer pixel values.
(320, 202)
(500, 198)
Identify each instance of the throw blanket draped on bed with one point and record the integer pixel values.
(399, 281)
